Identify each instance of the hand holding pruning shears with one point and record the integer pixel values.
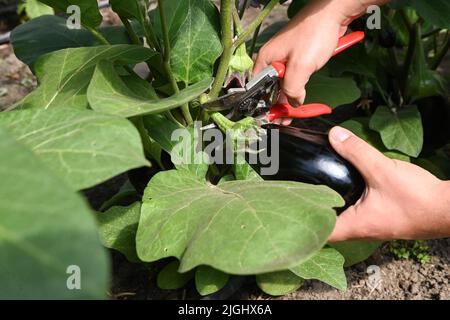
(259, 97)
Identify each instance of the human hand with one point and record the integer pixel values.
(401, 200)
(307, 43)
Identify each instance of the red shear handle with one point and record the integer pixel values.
(285, 110)
(344, 43)
(349, 40)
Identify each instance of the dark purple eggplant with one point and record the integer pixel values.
(307, 156)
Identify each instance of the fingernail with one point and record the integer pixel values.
(340, 134)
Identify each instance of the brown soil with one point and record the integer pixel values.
(401, 279)
(16, 79)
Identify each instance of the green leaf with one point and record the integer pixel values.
(139, 86)
(400, 130)
(107, 93)
(170, 279)
(117, 228)
(44, 228)
(360, 127)
(64, 75)
(126, 190)
(160, 129)
(279, 283)
(239, 227)
(422, 82)
(89, 14)
(35, 9)
(194, 34)
(438, 164)
(331, 91)
(436, 12)
(354, 60)
(47, 34)
(81, 146)
(327, 265)
(355, 251)
(128, 9)
(209, 280)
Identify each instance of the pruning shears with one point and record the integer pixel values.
(258, 98)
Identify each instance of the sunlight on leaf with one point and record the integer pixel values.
(83, 147)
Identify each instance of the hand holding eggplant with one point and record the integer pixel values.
(401, 200)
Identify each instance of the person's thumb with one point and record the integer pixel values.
(367, 160)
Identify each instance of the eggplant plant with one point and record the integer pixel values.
(94, 117)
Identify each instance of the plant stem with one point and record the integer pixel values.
(226, 20)
(255, 23)
(133, 36)
(242, 11)
(255, 38)
(382, 93)
(237, 23)
(433, 32)
(166, 55)
(406, 21)
(441, 53)
(409, 54)
(98, 35)
(139, 124)
(222, 122)
(152, 40)
(171, 117)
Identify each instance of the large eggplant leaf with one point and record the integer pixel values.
(360, 127)
(45, 228)
(47, 34)
(331, 91)
(239, 227)
(209, 280)
(327, 265)
(107, 93)
(400, 129)
(194, 32)
(279, 283)
(117, 229)
(64, 75)
(89, 14)
(81, 146)
(355, 251)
